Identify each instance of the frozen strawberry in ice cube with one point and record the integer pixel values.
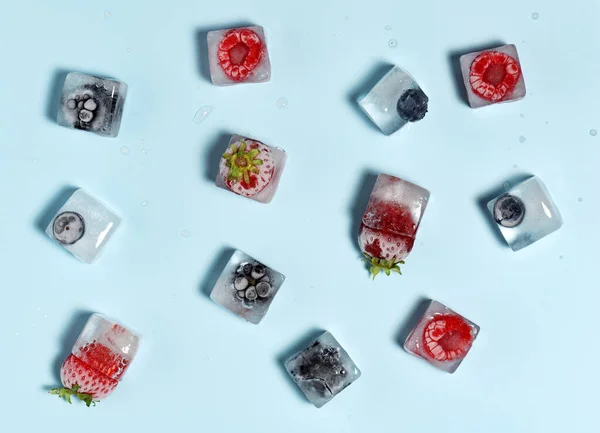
(442, 337)
(251, 169)
(99, 358)
(390, 223)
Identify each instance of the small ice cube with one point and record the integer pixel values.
(493, 76)
(395, 101)
(322, 370)
(247, 287)
(83, 226)
(525, 213)
(92, 104)
(251, 169)
(442, 337)
(238, 55)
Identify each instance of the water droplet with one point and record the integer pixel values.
(185, 233)
(535, 16)
(522, 115)
(107, 14)
(17, 334)
(202, 113)
(145, 203)
(281, 103)
(393, 43)
(522, 139)
(206, 358)
(515, 166)
(561, 257)
(387, 27)
(144, 151)
(45, 316)
(579, 199)
(506, 185)
(129, 49)
(34, 325)
(593, 132)
(34, 160)
(173, 295)
(346, 17)
(39, 309)
(124, 150)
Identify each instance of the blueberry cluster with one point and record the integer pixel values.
(322, 367)
(252, 283)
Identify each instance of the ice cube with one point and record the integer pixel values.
(525, 214)
(251, 169)
(238, 55)
(247, 287)
(390, 222)
(106, 346)
(442, 337)
(83, 226)
(92, 104)
(322, 370)
(395, 101)
(493, 76)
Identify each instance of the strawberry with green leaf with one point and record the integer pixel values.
(390, 222)
(247, 167)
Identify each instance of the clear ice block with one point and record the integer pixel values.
(322, 370)
(247, 287)
(251, 169)
(238, 55)
(525, 214)
(83, 226)
(442, 337)
(395, 101)
(92, 104)
(493, 76)
(106, 346)
(390, 222)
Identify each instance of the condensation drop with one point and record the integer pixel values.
(129, 49)
(535, 16)
(107, 14)
(185, 233)
(561, 257)
(506, 185)
(593, 132)
(202, 113)
(174, 296)
(515, 166)
(145, 203)
(579, 199)
(124, 150)
(522, 115)
(282, 103)
(393, 43)
(522, 139)
(206, 358)
(387, 27)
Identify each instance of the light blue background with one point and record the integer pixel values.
(533, 367)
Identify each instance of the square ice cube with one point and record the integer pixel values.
(83, 226)
(493, 76)
(92, 104)
(251, 169)
(238, 55)
(246, 287)
(106, 346)
(395, 101)
(525, 213)
(442, 337)
(322, 370)
(390, 222)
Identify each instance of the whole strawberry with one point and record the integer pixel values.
(390, 223)
(99, 358)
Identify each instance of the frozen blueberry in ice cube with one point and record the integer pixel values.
(322, 370)
(247, 287)
(251, 169)
(83, 226)
(526, 213)
(412, 105)
(493, 76)
(395, 101)
(92, 104)
(509, 211)
(68, 228)
(238, 55)
(442, 337)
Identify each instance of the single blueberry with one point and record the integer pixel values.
(509, 211)
(412, 105)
